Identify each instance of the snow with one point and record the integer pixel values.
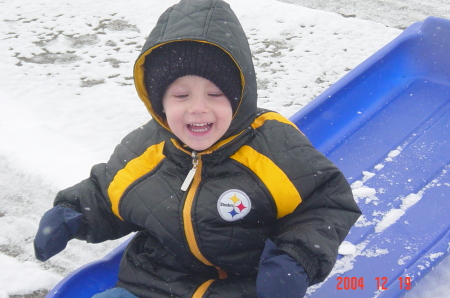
(347, 248)
(392, 13)
(394, 214)
(67, 98)
(31, 275)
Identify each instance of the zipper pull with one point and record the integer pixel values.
(191, 174)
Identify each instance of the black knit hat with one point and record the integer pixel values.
(171, 61)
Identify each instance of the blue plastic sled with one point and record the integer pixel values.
(386, 126)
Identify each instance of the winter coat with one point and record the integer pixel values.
(262, 180)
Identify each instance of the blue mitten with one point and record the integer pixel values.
(280, 275)
(56, 228)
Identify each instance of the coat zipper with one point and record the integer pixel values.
(190, 176)
(192, 180)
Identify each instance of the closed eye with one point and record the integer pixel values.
(218, 94)
(181, 96)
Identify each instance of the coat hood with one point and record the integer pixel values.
(207, 21)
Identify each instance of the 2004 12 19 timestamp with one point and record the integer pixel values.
(358, 283)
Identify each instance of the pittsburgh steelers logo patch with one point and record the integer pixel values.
(233, 205)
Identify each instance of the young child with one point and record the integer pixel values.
(229, 200)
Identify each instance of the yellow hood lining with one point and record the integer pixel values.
(141, 89)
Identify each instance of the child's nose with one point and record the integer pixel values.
(199, 105)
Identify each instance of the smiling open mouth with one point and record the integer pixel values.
(199, 127)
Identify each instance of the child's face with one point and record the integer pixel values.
(197, 112)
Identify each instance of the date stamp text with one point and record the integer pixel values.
(358, 283)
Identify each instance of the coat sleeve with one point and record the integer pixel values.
(312, 233)
(90, 196)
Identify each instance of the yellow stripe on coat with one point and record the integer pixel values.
(286, 196)
(271, 116)
(134, 169)
(202, 289)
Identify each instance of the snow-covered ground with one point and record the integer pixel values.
(67, 98)
(392, 13)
